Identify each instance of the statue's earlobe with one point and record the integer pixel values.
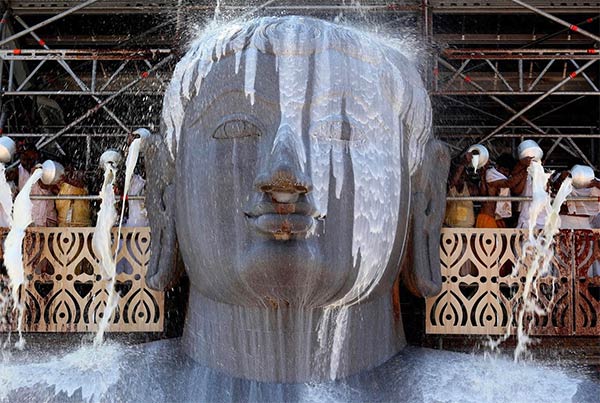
(421, 272)
(160, 203)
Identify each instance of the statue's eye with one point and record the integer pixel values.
(236, 128)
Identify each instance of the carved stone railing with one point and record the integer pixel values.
(65, 290)
(480, 296)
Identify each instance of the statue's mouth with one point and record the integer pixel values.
(284, 221)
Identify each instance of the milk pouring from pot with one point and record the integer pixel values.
(480, 154)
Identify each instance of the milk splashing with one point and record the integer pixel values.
(536, 255)
(379, 80)
(92, 370)
(378, 94)
(102, 242)
(132, 158)
(13, 246)
(248, 38)
(6, 200)
(538, 249)
(475, 162)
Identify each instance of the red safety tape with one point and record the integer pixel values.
(42, 42)
(3, 21)
(573, 27)
(592, 51)
(16, 51)
(573, 74)
(589, 20)
(468, 79)
(126, 197)
(1, 130)
(145, 74)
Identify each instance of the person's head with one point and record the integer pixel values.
(29, 157)
(294, 161)
(505, 163)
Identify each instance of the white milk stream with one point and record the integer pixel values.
(102, 234)
(13, 246)
(536, 255)
(538, 249)
(101, 243)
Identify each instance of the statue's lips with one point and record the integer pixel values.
(283, 220)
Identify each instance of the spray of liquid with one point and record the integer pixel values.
(101, 242)
(132, 158)
(538, 250)
(13, 247)
(475, 162)
(395, 105)
(536, 256)
(102, 234)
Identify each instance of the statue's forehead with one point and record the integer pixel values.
(345, 77)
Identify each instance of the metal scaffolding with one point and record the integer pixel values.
(538, 78)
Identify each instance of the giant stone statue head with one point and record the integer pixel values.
(288, 172)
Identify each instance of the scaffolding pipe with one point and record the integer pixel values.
(572, 27)
(496, 99)
(517, 51)
(539, 77)
(97, 107)
(537, 101)
(518, 135)
(587, 78)
(46, 22)
(506, 93)
(79, 82)
(514, 198)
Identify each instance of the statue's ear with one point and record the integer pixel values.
(163, 268)
(421, 271)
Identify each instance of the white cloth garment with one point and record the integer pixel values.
(585, 210)
(43, 212)
(503, 208)
(589, 208)
(5, 215)
(138, 216)
(525, 206)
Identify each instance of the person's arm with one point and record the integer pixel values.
(514, 183)
(557, 181)
(519, 173)
(12, 175)
(595, 183)
(456, 179)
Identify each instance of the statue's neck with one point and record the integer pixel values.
(286, 344)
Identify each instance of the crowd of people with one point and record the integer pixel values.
(65, 212)
(508, 176)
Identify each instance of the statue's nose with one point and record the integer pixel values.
(284, 176)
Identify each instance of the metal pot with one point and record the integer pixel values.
(7, 149)
(531, 149)
(112, 157)
(582, 176)
(481, 155)
(52, 171)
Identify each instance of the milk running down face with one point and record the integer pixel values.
(332, 140)
(290, 153)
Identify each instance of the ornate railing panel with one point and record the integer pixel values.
(587, 282)
(65, 290)
(481, 296)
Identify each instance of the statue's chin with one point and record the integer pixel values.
(292, 272)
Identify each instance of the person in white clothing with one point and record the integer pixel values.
(43, 212)
(579, 214)
(138, 216)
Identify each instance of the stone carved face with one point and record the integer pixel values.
(290, 164)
